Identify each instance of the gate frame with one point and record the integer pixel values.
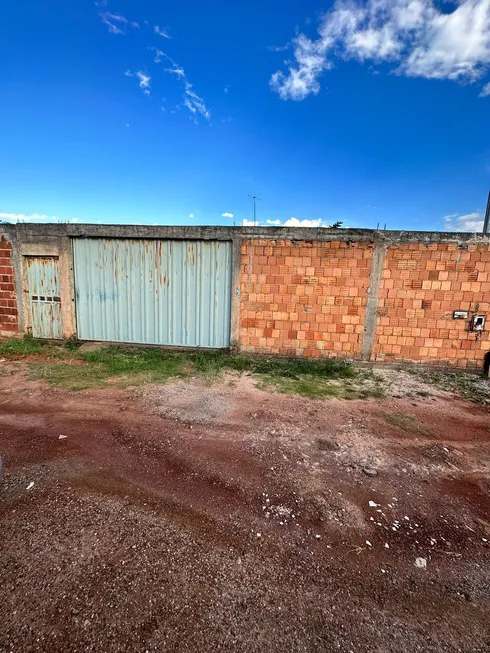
(27, 292)
(58, 248)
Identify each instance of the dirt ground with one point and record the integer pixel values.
(218, 517)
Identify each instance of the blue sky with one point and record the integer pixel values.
(147, 112)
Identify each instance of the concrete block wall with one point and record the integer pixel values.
(9, 311)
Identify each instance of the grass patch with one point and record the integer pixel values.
(306, 386)
(65, 365)
(20, 347)
(471, 387)
(28, 346)
(115, 366)
(318, 387)
(408, 423)
(211, 362)
(124, 366)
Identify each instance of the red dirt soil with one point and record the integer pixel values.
(224, 518)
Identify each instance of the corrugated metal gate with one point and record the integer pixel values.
(161, 292)
(43, 279)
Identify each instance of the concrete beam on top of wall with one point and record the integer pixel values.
(37, 232)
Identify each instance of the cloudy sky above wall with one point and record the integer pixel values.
(367, 112)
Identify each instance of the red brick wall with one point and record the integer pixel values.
(9, 320)
(420, 288)
(309, 299)
(303, 298)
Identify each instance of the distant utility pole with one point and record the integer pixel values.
(254, 200)
(487, 216)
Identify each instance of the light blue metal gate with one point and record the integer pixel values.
(161, 292)
(43, 280)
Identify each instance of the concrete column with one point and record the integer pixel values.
(67, 288)
(236, 262)
(370, 317)
(19, 282)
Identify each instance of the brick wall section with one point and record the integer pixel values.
(304, 298)
(420, 288)
(9, 320)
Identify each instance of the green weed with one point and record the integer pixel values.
(28, 346)
(67, 366)
(408, 423)
(116, 366)
(215, 362)
(472, 387)
(123, 366)
(25, 346)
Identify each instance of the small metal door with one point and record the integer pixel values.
(43, 278)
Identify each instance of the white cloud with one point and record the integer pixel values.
(485, 92)
(279, 48)
(158, 54)
(191, 215)
(227, 215)
(162, 31)
(22, 217)
(144, 80)
(416, 35)
(176, 70)
(193, 102)
(275, 222)
(302, 79)
(294, 222)
(250, 223)
(32, 217)
(464, 223)
(116, 23)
